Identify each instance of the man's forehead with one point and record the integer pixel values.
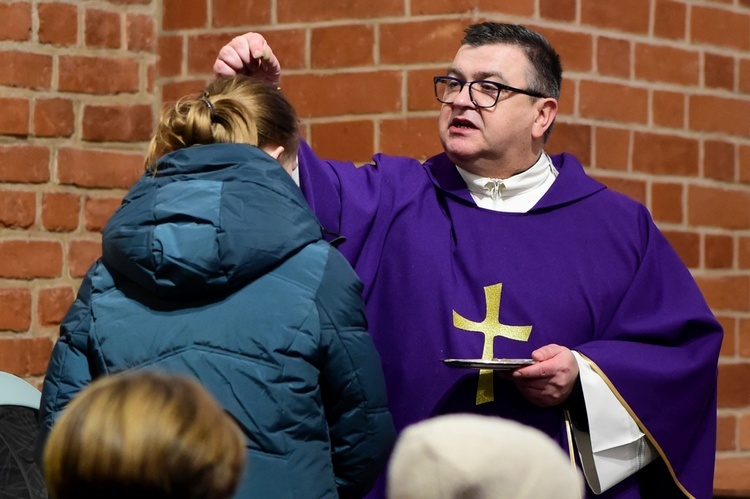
(502, 61)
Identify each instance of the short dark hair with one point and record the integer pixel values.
(546, 69)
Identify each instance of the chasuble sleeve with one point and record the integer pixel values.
(659, 355)
(359, 203)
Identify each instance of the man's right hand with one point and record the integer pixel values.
(251, 55)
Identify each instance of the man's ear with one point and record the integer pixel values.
(546, 110)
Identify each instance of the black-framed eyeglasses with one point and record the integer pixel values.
(483, 93)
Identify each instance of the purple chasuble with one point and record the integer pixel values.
(586, 268)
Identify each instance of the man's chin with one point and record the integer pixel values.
(460, 156)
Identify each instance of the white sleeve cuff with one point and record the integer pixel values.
(615, 447)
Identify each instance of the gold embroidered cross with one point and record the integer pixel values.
(490, 327)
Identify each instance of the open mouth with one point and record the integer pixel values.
(462, 123)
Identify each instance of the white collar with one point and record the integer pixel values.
(514, 193)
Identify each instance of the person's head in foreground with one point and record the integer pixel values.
(467, 456)
(144, 435)
(231, 110)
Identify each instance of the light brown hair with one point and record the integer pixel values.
(236, 109)
(144, 435)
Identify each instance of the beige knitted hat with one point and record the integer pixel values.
(467, 456)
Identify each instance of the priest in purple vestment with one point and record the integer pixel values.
(494, 249)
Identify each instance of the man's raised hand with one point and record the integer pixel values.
(251, 55)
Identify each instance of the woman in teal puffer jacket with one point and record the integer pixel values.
(215, 267)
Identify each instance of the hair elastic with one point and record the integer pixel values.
(210, 107)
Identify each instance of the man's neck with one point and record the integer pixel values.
(501, 170)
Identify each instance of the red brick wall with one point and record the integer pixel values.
(77, 99)
(656, 103)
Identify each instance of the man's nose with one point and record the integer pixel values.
(464, 97)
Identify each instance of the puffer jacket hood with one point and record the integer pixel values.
(212, 219)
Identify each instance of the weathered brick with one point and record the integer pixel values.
(567, 102)
(420, 42)
(744, 430)
(718, 160)
(15, 21)
(60, 211)
(415, 137)
(25, 356)
(635, 189)
(726, 433)
(612, 148)
(665, 154)
(726, 292)
(98, 75)
(184, 14)
(687, 245)
(668, 109)
(170, 55)
(420, 93)
(53, 304)
(324, 10)
(719, 71)
(717, 207)
(576, 49)
(118, 123)
(30, 259)
(524, 8)
(25, 69)
(732, 393)
(744, 164)
(14, 120)
(720, 27)
(730, 342)
(81, 255)
(744, 76)
(17, 209)
(342, 46)
(666, 202)
(572, 138)
(597, 97)
(347, 141)
(355, 93)
(97, 212)
(709, 114)
(613, 56)
(234, 13)
(172, 92)
(22, 163)
(58, 23)
(670, 19)
(625, 15)
(683, 67)
(15, 309)
(435, 7)
(558, 10)
(103, 169)
(744, 253)
(102, 29)
(141, 32)
(54, 118)
(719, 251)
(744, 337)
